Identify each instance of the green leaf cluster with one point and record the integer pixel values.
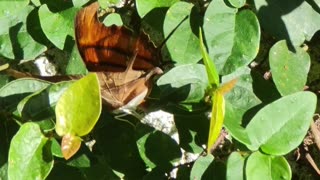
(216, 56)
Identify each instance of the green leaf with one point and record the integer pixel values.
(40, 105)
(16, 42)
(55, 148)
(200, 166)
(156, 148)
(235, 166)
(75, 64)
(237, 3)
(113, 19)
(217, 117)
(289, 70)
(10, 13)
(81, 161)
(29, 155)
(293, 20)
(16, 90)
(211, 69)
(219, 31)
(280, 127)
(79, 107)
(57, 26)
(70, 144)
(182, 44)
(265, 167)
(239, 102)
(186, 83)
(144, 7)
(246, 42)
(79, 3)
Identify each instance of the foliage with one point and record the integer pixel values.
(265, 119)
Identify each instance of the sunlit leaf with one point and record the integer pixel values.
(212, 73)
(70, 145)
(217, 117)
(289, 69)
(77, 112)
(265, 167)
(29, 155)
(143, 7)
(279, 127)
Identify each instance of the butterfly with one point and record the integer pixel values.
(125, 62)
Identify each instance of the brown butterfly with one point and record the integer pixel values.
(124, 62)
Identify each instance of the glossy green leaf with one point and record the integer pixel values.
(219, 30)
(79, 107)
(182, 44)
(265, 167)
(293, 20)
(200, 166)
(217, 117)
(237, 3)
(235, 165)
(57, 26)
(186, 83)
(279, 127)
(143, 7)
(211, 69)
(29, 155)
(246, 42)
(289, 70)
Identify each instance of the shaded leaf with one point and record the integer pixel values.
(200, 166)
(186, 83)
(293, 20)
(16, 90)
(40, 105)
(157, 148)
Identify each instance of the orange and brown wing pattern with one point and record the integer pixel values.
(108, 48)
